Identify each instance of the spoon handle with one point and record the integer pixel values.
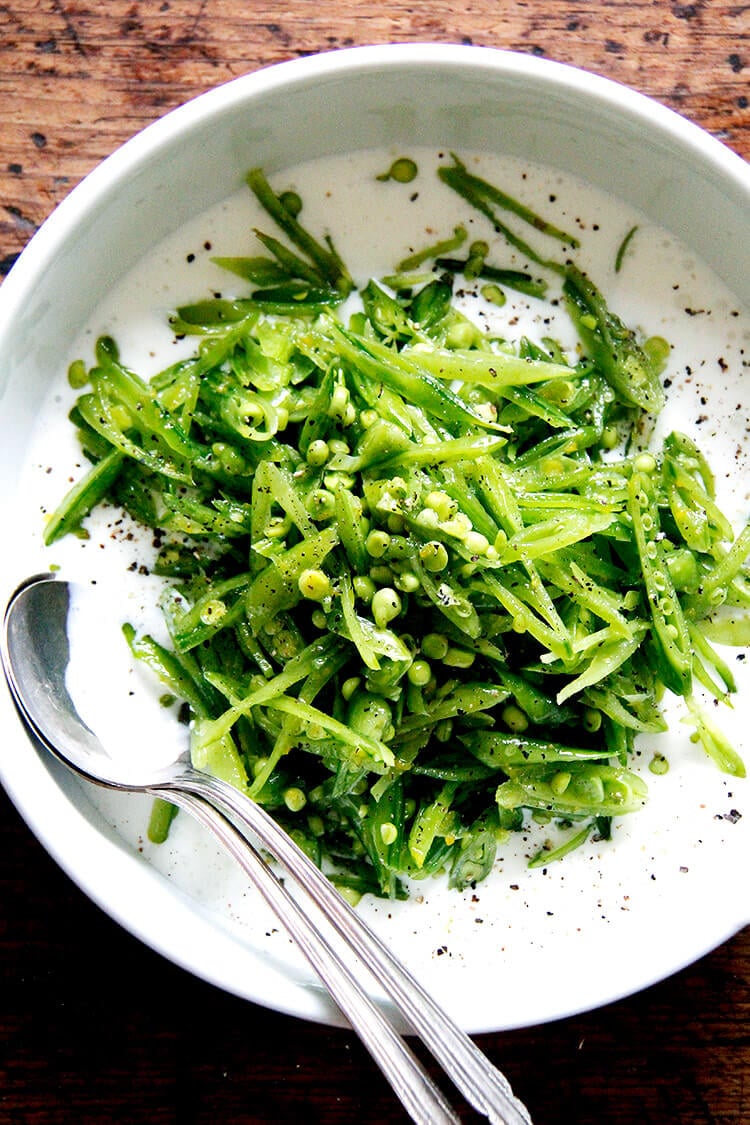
(421, 1098)
(481, 1083)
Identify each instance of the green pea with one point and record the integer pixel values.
(434, 646)
(291, 202)
(294, 799)
(318, 453)
(476, 543)
(419, 673)
(314, 584)
(514, 718)
(645, 463)
(407, 582)
(349, 687)
(560, 782)
(434, 556)
(78, 376)
(213, 612)
(403, 171)
(592, 719)
(370, 715)
(657, 349)
(364, 587)
(377, 543)
(321, 504)
(229, 459)
(441, 503)
(386, 604)
(388, 833)
(493, 294)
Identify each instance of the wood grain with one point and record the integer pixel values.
(133, 1038)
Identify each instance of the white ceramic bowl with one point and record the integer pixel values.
(469, 99)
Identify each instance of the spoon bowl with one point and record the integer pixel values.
(37, 662)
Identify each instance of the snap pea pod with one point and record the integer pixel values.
(325, 258)
(520, 280)
(670, 626)
(589, 790)
(84, 496)
(485, 197)
(613, 346)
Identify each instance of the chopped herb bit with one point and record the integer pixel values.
(623, 248)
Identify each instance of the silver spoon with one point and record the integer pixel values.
(35, 655)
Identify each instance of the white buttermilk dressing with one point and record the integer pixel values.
(661, 289)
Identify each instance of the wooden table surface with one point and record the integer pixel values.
(131, 1037)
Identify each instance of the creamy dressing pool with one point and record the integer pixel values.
(660, 289)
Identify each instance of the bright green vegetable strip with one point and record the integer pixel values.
(326, 260)
(589, 790)
(644, 716)
(275, 588)
(475, 855)
(162, 815)
(179, 672)
(428, 822)
(383, 836)
(607, 658)
(299, 668)
(525, 620)
(464, 700)
(669, 622)
(727, 627)
(363, 745)
(575, 582)
(488, 199)
(454, 449)
(704, 655)
(514, 279)
(217, 609)
(622, 249)
(83, 497)
(512, 751)
(450, 601)
(356, 627)
(222, 759)
(548, 536)
(97, 412)
(262, 271)
(713, 587)
(291, 263)
(714, 742)
(575, 840)
(493, 370)
(611, 344)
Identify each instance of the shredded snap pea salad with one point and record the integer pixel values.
(424, 584)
